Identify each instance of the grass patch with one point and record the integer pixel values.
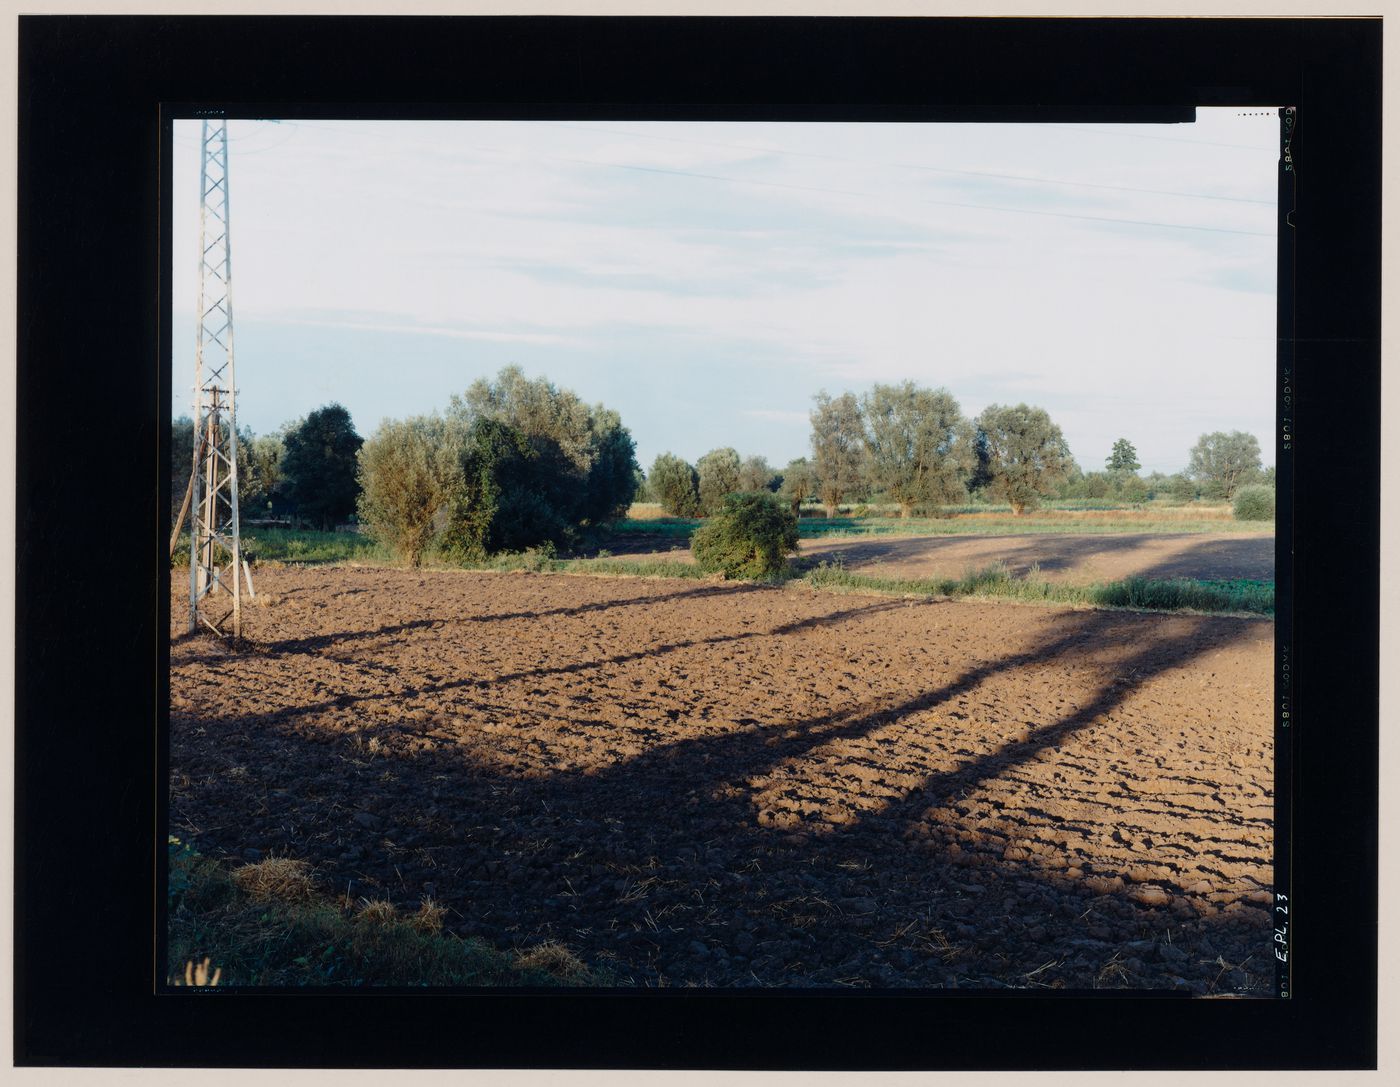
(996, 581)
(268, 924)
(298, 545)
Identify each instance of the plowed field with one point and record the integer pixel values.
(1059, 557)
(719, 784)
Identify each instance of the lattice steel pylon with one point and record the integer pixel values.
(216, 558)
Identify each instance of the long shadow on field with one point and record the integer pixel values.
(661, 864)
(647, 653)
(1245, 557)
(318, 642)
(1053, 553)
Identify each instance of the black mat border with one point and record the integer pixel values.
(90, 656)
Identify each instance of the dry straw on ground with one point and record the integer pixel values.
(277, 877)
(554, 959)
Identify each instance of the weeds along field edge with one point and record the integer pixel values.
(271, 923)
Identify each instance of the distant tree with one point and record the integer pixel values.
(1182, 488)
(554, 421)
(749, 536)
(582, 465)
(500, 504)
(1129, 487)
(799, 483)
(643, 493)
(1095, 485)
(676, 485)
(319, 466)
(1123, 458)
(1027, 454)
(719, 476)
(920, 449)
(258, 467)
(611, 483)
(756, 475)
(838, 449)
(981, 476)
(1220, 462)
(260, 474)
(410, 476)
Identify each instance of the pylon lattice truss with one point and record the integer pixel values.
(215, 556)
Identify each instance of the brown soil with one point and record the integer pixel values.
(719, 784)
(1060, 557)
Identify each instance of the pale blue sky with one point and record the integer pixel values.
(707, 279)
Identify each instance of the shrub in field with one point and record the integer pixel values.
(675, 485)
(410, 474)
(1254, 503)
(750, 536)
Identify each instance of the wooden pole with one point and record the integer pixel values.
(185, 505)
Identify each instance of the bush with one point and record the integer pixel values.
(750, 536)
(1254, 503)
(409, 472)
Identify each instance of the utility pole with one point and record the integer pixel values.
(215, 558)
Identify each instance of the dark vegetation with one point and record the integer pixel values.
(270, 923)
(518, 465)
(751, 536)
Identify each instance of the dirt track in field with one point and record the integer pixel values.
(719, 784)
(1061, 557)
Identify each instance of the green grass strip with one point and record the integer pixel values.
(1173, 594)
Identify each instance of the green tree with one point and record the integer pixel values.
(756, 475)
(259, 474)
(750, 536)
(410, 475)
(799, 483)
(1027, 454)
(719, 476)
(319, 466)
(920, 449)
(611, 485)
(258, 471)
(1123, 458)
(676, 485)
(1220, 462)
(838, 449)
(583, 460)
(499, 504)
(981, 476)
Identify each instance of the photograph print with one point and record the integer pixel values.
(724, 555)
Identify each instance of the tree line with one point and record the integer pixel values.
(516, 463)
(913, 447)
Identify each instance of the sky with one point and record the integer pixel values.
(706, 280)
